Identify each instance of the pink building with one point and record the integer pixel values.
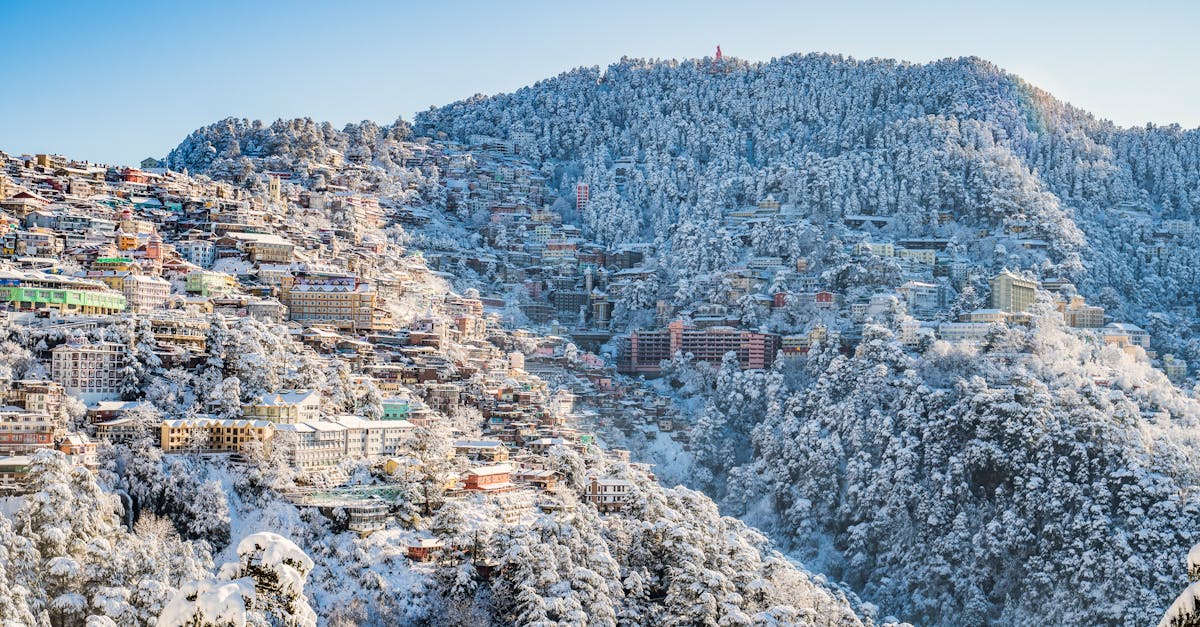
(641, 352)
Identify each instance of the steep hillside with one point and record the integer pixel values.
(837, 137)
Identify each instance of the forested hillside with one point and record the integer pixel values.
(837, 136)
(1039, 479)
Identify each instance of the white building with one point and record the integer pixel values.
(201, 252)
(91, 372)
(910, 331)
(1137, 335)
(922, 298)
(963, 331)
(285, 406)
(323, 443)
(143, 293)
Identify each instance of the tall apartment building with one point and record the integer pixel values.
(1012, 293)
(88, 371)
(641, 351)
(581, 196)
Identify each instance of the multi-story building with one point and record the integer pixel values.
(1175, 369)
(207, 283)
(201, 252)
(36, 395)
(266, 309)
(879, 249)
(1013, 293)
(13, 470)
(89, 371)
(609, 495)
(921, 256)
(265, 247)
(798, 345)
(492, 451)
(922, 298)
(642, 351)
(186, 332)
(1136, 335)
(315, 445)
(285, 407)
(322, 443)
(24, 432)
(582, 194)
(33, 291)
(144, 293)
(341, 301)
(118, 430)
(491, 478)
(211, 435)
(1077, 313)
(963, 331)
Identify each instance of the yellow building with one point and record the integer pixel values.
(1081, 315)
(342, 302)
(265, 247)
(211, 435)
(1012, 293)
(185, 332)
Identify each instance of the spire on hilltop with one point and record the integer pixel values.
(713, 69)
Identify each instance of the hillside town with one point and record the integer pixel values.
(89, 248)
(117, 269)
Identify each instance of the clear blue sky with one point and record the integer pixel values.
(117, 81)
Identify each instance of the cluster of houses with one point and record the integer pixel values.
(89, 246)
(576, 284)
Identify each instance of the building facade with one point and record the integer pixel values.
(1012, 293)
(642, 351)
(90, 371)
(33, 291)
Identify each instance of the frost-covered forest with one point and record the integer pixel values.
(837, 136)
(953, 486)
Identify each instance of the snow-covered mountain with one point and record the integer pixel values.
(837, 136)
(950, 488)
(1039, 478)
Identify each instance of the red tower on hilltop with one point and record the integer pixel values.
(716, 60)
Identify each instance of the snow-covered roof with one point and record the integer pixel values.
(492, 469)
(285, 398)
(477, 444)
